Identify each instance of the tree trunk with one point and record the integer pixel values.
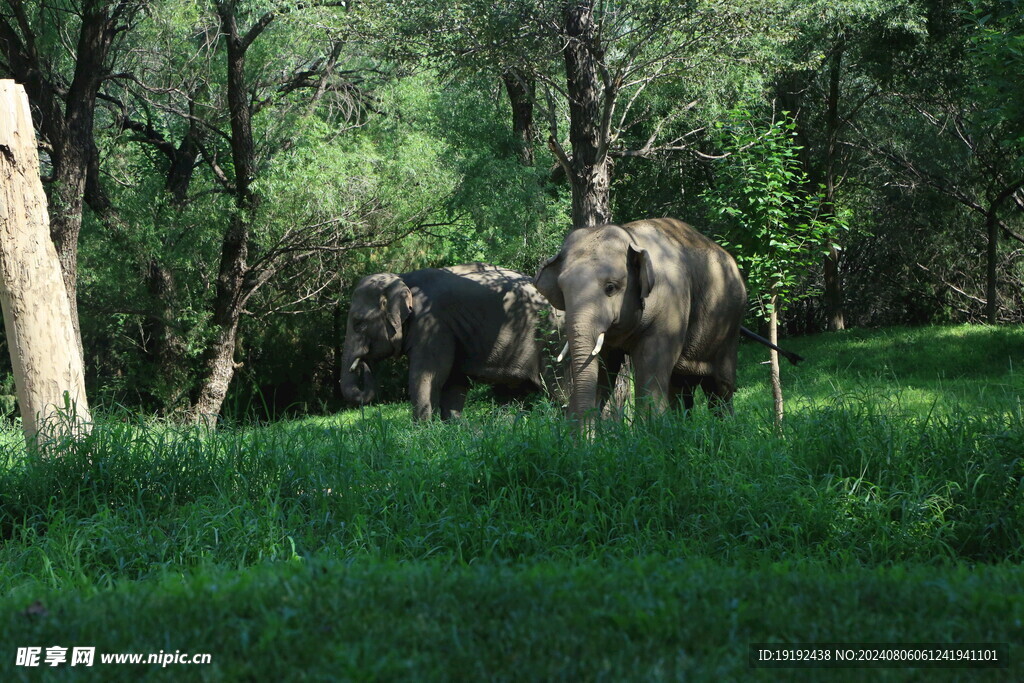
(833, 282)
(38, 317)
(621, 391)
(589, 105)
(836, 319)
(73, 146)
(521, 89)
(219, 363)
(183, 163)
(219, 371)
(169, 347)
(821, 165)
(233, 288)
(776, 377)
(992, 255)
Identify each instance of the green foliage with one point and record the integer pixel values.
(502, 206)
(376, 180)
(998, 45)
(779, 227)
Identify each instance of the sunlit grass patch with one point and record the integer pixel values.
(914, 370)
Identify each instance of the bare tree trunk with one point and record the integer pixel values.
(833, 291)
(589, 169)
(219, 370)
(67, 199)
(38, 316)
(776, 377)
(232, 278)
(219, 363)
(832, 275)
(521, 90)
(622, 391)
(822, 168)
(992, 255)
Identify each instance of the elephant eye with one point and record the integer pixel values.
(610, 288)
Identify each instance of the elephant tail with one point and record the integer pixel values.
(793, 358)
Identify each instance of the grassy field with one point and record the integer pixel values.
(889, 508)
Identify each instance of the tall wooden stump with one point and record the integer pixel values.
(37, 314)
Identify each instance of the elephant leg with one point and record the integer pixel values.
(721, 385)
(428, 373)
(453, 398)
(607, 384)
(653, 360)
(719, 393)
(682, 390)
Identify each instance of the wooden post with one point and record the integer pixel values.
(37, 314)
(776, 374)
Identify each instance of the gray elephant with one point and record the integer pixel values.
(659, 291)
(473, 321)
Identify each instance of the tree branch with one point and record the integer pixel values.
(956, 289)
(560, 155)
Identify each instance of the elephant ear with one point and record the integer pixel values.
(546, 281)
(397, 305)
(641, 260)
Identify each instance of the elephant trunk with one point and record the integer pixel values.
(583, 347)
(351, 371)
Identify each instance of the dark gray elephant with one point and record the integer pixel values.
(465, 322)
(659, 291)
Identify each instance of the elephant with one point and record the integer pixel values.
(474, 321)
(659, 291)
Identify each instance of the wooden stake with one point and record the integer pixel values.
(773, 337)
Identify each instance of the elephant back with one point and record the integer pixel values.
(682, 233)
(500, 323)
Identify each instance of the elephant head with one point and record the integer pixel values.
(601, 279)
(380, 306)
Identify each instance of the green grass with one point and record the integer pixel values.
(890, 508)
(910, 371)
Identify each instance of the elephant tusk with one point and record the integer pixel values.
(561, 356)
(598, 345)
(355, 364)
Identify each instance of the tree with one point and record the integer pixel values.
(997, 47)
(63, 92)
(590, 63)
(614, 53)
(959, 127)
(829, 72)
(779, 225)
